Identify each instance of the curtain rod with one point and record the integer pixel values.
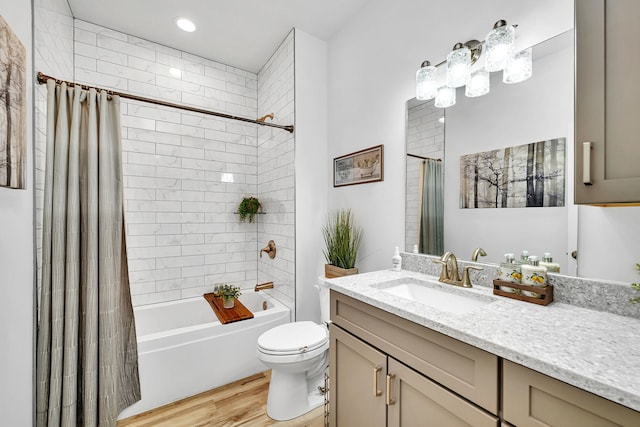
(42, 79)
(423, 158)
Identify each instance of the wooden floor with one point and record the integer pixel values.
(242, 403)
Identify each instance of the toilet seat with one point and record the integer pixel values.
(293, 338)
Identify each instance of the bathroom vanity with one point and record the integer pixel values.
(396, 361)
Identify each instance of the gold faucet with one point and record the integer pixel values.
(450, 273)
(263, 286)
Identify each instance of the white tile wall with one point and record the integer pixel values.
(53, 55)
(276, 172)
(182, 234)
(425, 137)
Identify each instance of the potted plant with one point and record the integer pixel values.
(248, 208)
(342, 241)
(228, 293)
(636, 286)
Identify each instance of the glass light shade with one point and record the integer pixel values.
(426, 85)
(519, 67)
(446, 97)
(498, 47)
(478, 84)
(458, 67)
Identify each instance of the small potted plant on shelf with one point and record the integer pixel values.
(249, 208)
(636, 286)
(228, 293)
(342, 241)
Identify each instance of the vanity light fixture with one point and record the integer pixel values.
(499, 50)
(186, 25)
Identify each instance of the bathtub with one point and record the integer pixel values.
(184, 350)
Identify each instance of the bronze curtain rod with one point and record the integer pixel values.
(423, 158)
(42, 79)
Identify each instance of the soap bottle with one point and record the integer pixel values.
(510, 272)
(547, 261)
(533, 274)
(396, 261)
(415, 249)
(524, 257)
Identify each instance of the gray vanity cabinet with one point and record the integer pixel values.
(388, 371)
(531, 399)
(607, 102)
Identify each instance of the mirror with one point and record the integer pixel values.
(539, 109)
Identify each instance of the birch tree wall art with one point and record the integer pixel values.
(529, 175)
(12, 108)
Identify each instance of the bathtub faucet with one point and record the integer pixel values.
(262, 286)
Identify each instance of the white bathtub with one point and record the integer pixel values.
(184, 350)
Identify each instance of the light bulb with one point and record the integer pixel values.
(426, 86)
(499, 46)
(446, 97)
(519, 67)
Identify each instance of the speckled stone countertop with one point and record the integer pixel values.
(594, 350)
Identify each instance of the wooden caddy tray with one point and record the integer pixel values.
(228, 315)
(546, 292)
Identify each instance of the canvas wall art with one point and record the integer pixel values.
(529, 175)
(12, 108)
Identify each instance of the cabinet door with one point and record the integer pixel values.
(416, 401)
(607, 101)
(531, 399)
(357, 381)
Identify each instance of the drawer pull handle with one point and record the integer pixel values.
(390, 400)
(586, 163)
(376, 392)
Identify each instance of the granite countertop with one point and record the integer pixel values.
(592, 350)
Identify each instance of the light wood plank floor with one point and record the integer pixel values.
(242, 403)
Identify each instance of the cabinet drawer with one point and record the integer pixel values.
(466, 370)
(533, 399)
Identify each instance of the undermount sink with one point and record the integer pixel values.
(434, 294)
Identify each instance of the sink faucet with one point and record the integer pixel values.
(450, 274)
(478, 252)
(262, 286)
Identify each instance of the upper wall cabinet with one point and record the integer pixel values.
(607, 104)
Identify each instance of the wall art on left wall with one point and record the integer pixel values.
(13, 99)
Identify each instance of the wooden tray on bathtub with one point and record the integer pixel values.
(228, 315)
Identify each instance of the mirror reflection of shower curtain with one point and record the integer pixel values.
(431, 222)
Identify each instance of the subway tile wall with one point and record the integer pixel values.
(53, 55)
(276, 171)
(425, 137)
(184, 172)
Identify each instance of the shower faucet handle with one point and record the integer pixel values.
(270, 249)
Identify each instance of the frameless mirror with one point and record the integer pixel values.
(510, 115)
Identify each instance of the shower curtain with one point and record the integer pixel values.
(87, 358)
(431, 234)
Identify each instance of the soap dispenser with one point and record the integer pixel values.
(547, 261)
(510, 272)
(533, 274)
(524, 257)
(396, 261)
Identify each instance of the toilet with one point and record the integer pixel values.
(298, 355)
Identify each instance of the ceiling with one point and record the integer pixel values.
(240, 33)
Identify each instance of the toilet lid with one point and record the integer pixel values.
(293, 337)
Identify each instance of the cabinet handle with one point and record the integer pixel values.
(390, 400)
(376, 392)
(586, 163)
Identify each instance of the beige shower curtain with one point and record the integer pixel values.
(87, 360)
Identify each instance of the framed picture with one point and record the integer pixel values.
(359, 167)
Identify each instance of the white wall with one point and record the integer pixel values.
(276, 172)
(182, 233)
(311, 175)
(372, 65)
(16, 258)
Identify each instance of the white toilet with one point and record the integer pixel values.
(298, 355)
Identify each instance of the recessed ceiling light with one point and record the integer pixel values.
(186, 25)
